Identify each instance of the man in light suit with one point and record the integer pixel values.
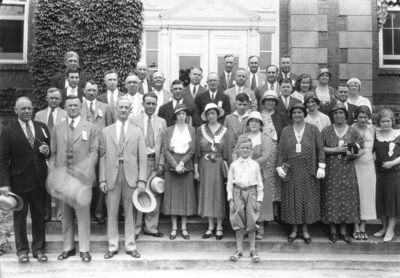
(145, 83)
(51, 116)
(71, 60)
(99, 114)
(214, 96)
(343, 94)
(110, 97)
(226, 79)
(256, 78)
(285, 100)
(163, 95)
(132, 85)
(74, 152)
(194, 88)
(271, 84)
(286, 64)
(122, 171)
(72, 88)
(167, 110)
(24, 147)
(152, 127)
(241, 77)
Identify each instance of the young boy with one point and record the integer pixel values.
(236, 122)
(245, 194)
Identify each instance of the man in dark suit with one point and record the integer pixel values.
(286, 64)
(213, 95)
(24, 148)
(166, 111)
(271, 84)
(227, 77)
(145, 83)
(71, 62)
(194, 88)
(72, 88)
(343, 94)
(285, 100)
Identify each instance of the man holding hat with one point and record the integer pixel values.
(123, 171)
(152, 127)
(24, 147)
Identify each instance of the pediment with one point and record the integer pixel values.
(207, 9)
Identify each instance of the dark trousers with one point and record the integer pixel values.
(98, 200)
(35, 201)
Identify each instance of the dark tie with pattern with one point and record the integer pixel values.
(50, 120)
(194, 91)
(71, 125)
(91, 108)
(150, 135)
(253, 83)
(31, 139)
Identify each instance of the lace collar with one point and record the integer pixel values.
(390, 138)
(213, 137)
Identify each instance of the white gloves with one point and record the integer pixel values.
(320, 173)
(281, 173)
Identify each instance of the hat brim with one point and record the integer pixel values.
(221, 113)
(179, 110)
(330, 75)
(139, 207)
(269, 98)
(340, 108)
(148, 183)
(314, 98)
(20, 202)
(303, 109)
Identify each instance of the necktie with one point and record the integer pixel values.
(286, 76)
(71, 125)
(228, 78)
(31, 139)
(150, 135)
(194, 91)
(121, 139)
(272, 87)
(238, 90)
(212, 97)
(50, 120)
(253, 83)
(91, 108)
(141, 91)
(112, 100)
(286, 103)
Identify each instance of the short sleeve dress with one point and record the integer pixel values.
(211, 151)
(340, 197)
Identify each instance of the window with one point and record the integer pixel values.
(13, 31)
(265, 50)
(389, 40)
(152, 50)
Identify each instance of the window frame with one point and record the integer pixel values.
(145, 49)
(381, 56)
(266, 51)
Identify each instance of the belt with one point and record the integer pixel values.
(121, 161)
(151, 155)
(244, 188)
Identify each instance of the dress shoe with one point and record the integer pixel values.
(41, 257)
(136, 237)
(219, 237)
(306, 239)
(101, 221)
(388, 238)
(172, 236)
(158, 234)
(110, 254)
(236, 256)
(259, 235)
(208, 235)
(187, 237)
(23, 258)
(380, 233)
(86, 257)
(333, 237)
(291, 237)
(345, 237)
(254, 256)
(134, 254)
(66, 254)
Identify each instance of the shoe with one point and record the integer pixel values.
(219, 237)
(187, 237)
(388, 238)
(236, 256)
(101, 221)
(333, 237)
(110, 254)
(158, 234)
(245, 236)
(345, 237)
(206, 235)
(41, 257)
(259, 236)
(134, 254)
(356, 235)
(136, 237)
(306, 239)
(254, 256)
(363, 235)
(85, 257)
(66, 254)
(277, 219)
(290, 238)
(380, 233)
(24, 258)
(172, 237)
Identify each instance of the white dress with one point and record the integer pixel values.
(321, 120)
(365, 170)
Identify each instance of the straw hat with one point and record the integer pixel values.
(155, 184)
(270, 94)
(11, 202)
(212, 106)
(144, 202)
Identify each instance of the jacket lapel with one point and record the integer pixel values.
(78, 130)
(17, 130)
(128, 132)
(84, 110)
(113, 133)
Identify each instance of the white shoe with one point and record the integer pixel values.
(380, 234)
(388, 238)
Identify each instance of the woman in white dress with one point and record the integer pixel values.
(315, 117)
(302, 86)
(354, 94)
(365, 169)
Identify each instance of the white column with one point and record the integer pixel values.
(164, 56)
(254, 47)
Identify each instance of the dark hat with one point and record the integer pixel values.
(299, 106)
(339, 106)
(323, 70)
(311, 95)
(179, 108)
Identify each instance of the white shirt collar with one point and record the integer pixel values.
(286, 74)
(346, 104)
(88, 103)
(241, 88)
(251, 74)
(175, 102)
(115, 91)
(76, 120)
(55, 109)
(192, 86)
(241, 159)
(237, 114)
(23, 124)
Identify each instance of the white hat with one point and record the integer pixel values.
(144, 202)
(212, 106)
(11, 202)
(356, 80)
(155, 184)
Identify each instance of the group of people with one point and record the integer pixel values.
(250, 147)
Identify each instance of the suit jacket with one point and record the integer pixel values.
(149, 88)
(262, 79)
(59, 80)
(64, 96)
(231, 93)
(292, 76)
(279, 120)
(158, 126)
(85, 152)
(100, 120)
(222, 86)
(259, 92)
(189, 95)
(134, 154)
(103, 98)
(166, 112)
(20, 164)
(220, 99)
(167, 96)
(280, 106)
(351, 109)
(41, 116)
(235, 129)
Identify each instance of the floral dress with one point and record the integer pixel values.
(326, 106)
(211, 151)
